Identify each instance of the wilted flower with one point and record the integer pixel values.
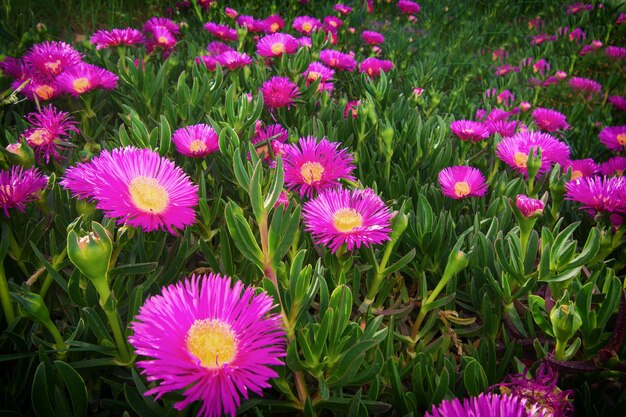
(276, 44)
(353, 218)
(196, 141)
(279, 92)
(549, 120)
(312, 166)
(212, 338)
(462, 181)
(19, 186)
(50, 129)
(469, 130)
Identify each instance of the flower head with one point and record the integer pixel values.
(233, 59)
(337, 60)
(230, 12)
(408, 7)
(275, 135)
(136, 186)
(469, 130)
(217, 48)
(273, 23)
(210, 337)
(581, 168)
(19, 186)
(585, 85)
(279, 92)
(357, 217)
(117, 37)
(614, 166)
(49, 131)
(598, 194)
(462, 181)
(342, 8)
(613, 137)
(162, 23)
(485, 405)
(317, 70)
(312, 166)
(373, 66)
(276, 44)
(251, 24)
(332, 24)
(223, 32)
(52, 58)
(549, 120)
(529, 207)
(615, 52)
(306, 24)
(618, 102)
(196, 141)
(514, 150)
(351, 109)
(83, 78)
(504, 128)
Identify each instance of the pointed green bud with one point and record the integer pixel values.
(20, 154)
(31, 305)
(457, 261)
(533, 164)
(91, 253)
(565, 321)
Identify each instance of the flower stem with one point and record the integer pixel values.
(5, 297)
(102, 286)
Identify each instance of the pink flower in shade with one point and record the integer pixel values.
(223, 32)
(274, 23)
(195, 141)
(618, 102)
(462, 181)
(342, 8)
(469, 130)
(351, 109)
(137, 187)
(504, 128)
(577, 35)
(581, 168)
(210, 338)
(232, 13)
(337, 60)
(587, 49)
(613, 137)
(19, 186)
(505, 69)
(49, 132)
(332, 24)
(83, 78)
(369, 4)
(276, 44)
(305, 41)
(615, 52)
(549, 120)
(317, 70)
(514, 151)
(351, 217)
(536, 23)
(50, 59)
(498, 114)
(620, 19)
(408, 7)
(541, 66)
(251, 24)
(614, 166)
(162, 23)
(279, 92)
(312, 166)
(233, 59)
(485, 405)
(270, 141)
(529, 207)
(372, 38)
(374, 66)
(306, 24)
(15, 68)
(585, 85)
(44, 89)
(117, 37)
(598, 194)
(499, 54)
(208, 61)
(217, 48)
(576, 8)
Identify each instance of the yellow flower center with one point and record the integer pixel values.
(274, 27)
(81, 85)
(312, 76)
(347, 219)
(307, 27)
(261, 150)
(54, 67)
(162, 40)
(461, 189)
(213, 342)
(38, 137)
(619, 172)
(311, 172)
(621, 139)
(148, 195)
(520, 159)
(45, 92)
(576, 174)
(197, 146)
(278, 48)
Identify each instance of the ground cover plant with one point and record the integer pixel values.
(313, 208)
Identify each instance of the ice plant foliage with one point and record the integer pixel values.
(138, 187)
(353, 217)
(212, 339)
(19, 186)
(462, 181)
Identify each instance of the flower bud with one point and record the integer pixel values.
(31, 305)
(529, 207)
(457, 261)
(534, 162)
(20, 154)
(524, 106)
(565, 321)
(91, 253)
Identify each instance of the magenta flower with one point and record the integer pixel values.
(549, 120)
(581, 168)
(312, 166)
(117, 37)
(469, 130)
(585, 85)
(49, 132)
(505, 69)
(577, 35)
(138, 187)
(232, 13)
(373, 66)
(615, 52)
(317, 70)
(233, 59)
(83, 78)
(504, 128)
(210, 338)
(598, 194)
(161, 38)
(162, 23)
(279, 92)
(541, 66)
(52, 58)
(613, 137)
(540, 38)
(216, 48)
(331, 24)
(462, 181)
(408, 7)
(273, 135)
(497, 114)
(223, 32)
(276, 44)
(351, 109)
(342, 8)
(305, 41)
(338, 216)
(337, 60)
(614, 166)
(514, 151)
(196, 141)
(529, 207)
(485, 405)
(306, 24)
(19, 186)
(618, 102)
(251, 24)
(273, 23)
(208, 61)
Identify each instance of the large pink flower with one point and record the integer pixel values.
(279, 92)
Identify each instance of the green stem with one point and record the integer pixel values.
(559, 350)
(59, 343)
(56, 262)
(102, 286)
(378, 276)
(5, 297)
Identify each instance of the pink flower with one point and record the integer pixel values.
(83, 78)
(162, 23)
(615, 52)
(549, 120)
(529, 207)
(351, 109)
(342, 8)
(614, 166)
(49, 132)
(276, 44)
(408, 7)
(514, 151)
(306, 24)
(232, 13)
(274, 23)
(317, 70)
(577, 35)
(279, 92)
(469, 130)
(19, 186)
(223, 32)
(337, 60)
(613, 137)
(585, 85)
(373, 66)
(618, 102)
(461, 182)
(598, 194)
(195, 141)
(581, 168)
(233, 59)
(117, 37)
(50, 59)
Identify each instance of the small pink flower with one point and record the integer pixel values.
(469, 130)
(459, 182)
(372, 38)
(306, 24)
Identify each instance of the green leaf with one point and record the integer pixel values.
(254, 190)
(133, 269)
(75, 386)
(242, 235)
(277, 185)
(474, 377)
(40, 399)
